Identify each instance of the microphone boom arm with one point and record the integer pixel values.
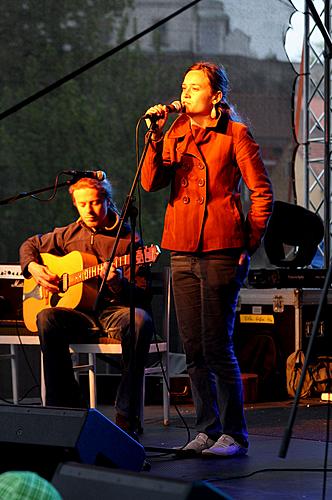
(25, 194)
(77, 174)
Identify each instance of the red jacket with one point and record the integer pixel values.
(204, 212)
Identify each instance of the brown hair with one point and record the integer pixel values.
(219, 81)
(104, 188)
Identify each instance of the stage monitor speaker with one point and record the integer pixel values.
(38, 439)
(83, 482)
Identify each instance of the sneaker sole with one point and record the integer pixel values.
(211, 453)
(188, 453)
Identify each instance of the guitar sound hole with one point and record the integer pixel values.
(55, 299)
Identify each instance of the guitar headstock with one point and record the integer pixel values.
(148, 254)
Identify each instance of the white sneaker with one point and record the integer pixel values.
(197, 445)
(226, 446)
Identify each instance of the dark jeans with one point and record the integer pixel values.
(205, 292)
(58, 327)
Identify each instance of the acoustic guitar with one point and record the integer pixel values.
(77, 288)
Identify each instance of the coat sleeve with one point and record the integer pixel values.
(255, 176)
(156, 172)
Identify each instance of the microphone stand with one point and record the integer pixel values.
(129, 211)
(75, 177)
(19, 196)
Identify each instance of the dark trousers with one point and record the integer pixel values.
(205, 291)
(58, 327)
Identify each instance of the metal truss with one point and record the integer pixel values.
(317, 117)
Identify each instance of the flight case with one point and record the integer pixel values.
(272, 323)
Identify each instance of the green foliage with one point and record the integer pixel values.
(87, 123)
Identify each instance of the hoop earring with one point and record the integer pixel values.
(213, 113)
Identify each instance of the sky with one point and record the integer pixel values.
(266, 22)
(294, 38)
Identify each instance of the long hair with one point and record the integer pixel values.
(219, 81)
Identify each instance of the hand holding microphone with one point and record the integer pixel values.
(158, 115)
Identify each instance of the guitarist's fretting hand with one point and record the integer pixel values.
(114, 278)
(44, 277)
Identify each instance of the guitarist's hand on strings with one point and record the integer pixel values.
(114, 278)
(44, 277)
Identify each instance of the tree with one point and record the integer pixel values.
(41, 43)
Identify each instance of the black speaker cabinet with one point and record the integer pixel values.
(83, 482)
(38, 439)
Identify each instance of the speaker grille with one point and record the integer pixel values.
(46, 426)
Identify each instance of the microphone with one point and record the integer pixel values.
(174, 107)
(100, 175)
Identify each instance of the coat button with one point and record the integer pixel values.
(200, 200)
(184, 182)
(201, 182)
(186, 199)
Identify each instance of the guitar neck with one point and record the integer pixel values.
(93, 271)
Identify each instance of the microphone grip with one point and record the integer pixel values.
(152, 117)
(174, 107)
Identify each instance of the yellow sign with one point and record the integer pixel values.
(257, 318)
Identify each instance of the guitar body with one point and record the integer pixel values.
(78, 273)
(81, 295)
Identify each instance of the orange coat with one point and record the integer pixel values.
(204, 211)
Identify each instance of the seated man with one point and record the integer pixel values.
(93, 233)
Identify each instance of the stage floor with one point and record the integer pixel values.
(262, 474)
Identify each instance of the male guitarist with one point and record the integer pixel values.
(93, 233)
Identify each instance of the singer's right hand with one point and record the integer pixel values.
(43, 276)
(161, 113)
